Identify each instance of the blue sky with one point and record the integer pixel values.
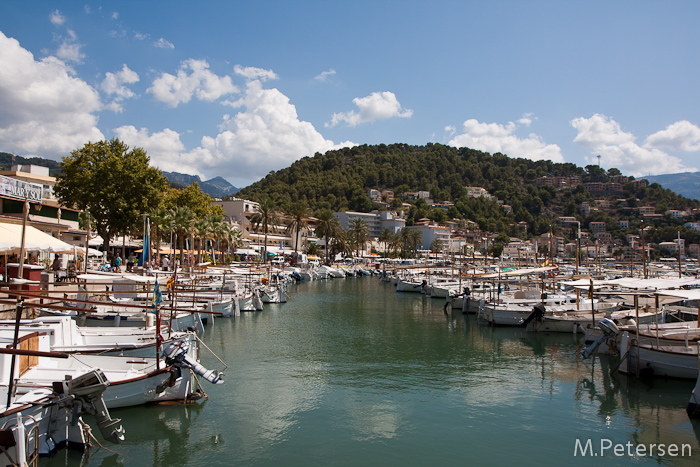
(239, 88)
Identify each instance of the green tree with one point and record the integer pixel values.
(194, 199)
(265, 218)
(359, 232)
(436, 246)
(181, 219)
(160, 221)
(327, 227)
(298, 222)
(385, 238)
(415, 238)
(115, 184)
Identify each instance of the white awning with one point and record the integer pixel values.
(246, 251)
(34, 240)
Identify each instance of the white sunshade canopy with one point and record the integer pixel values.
(34, 240)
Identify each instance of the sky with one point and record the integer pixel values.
(240, 88)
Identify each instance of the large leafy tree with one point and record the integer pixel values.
(194, 199)
(115, 184)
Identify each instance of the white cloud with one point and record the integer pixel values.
(450, 130)
(164, 148)
(265, 135)
(141, 37)
(494, 137)
(46, 111)
(199, 82)
(114, 85)
(376, 106)
(527, 119)
(680, 136)
(618, 149)
(115, 15)
(69, 49)
(323, 77)
(163, 44)
(599, 130)
(57, 18)
(251, 73)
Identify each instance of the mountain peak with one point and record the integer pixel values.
(217, 187)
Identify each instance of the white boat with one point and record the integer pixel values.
(273, 294)
(133, 380)
(41, 421)
(647, 359)
(250, 301)
(416, 285)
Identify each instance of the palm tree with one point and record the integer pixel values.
(159, 222)
(312, 249)
(297, 223)
(415, 238)
(385, 237)
(359, 231)
(267, 218)
(181, 219)
(396, 243)
(436, 246)
(202, 228)
(220, 230)
(341, 243)
(404, 237)
(327, 227)
(236, 239)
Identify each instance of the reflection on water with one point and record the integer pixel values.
(349, 372)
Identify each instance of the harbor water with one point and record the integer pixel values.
(349, 372)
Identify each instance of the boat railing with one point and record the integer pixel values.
(32, 434)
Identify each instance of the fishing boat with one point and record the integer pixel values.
(40, 421)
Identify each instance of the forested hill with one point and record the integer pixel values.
(340, 180)
(7, 160)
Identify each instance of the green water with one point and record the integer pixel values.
(349, 372)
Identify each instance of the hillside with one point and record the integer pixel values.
(340, 180)
(686, 184)
(7, 160)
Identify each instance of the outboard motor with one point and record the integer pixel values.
(296, 276)
(176, 354)
(538, 311)
(87, 390)
(609, 329)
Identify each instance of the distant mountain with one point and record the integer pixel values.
(686, 184)
(216, 187)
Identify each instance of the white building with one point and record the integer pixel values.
(376, 221)
(431, 232)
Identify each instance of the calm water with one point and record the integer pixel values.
(349, 372)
